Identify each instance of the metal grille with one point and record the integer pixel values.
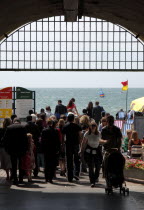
(90, 44)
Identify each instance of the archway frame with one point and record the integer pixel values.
(53, 69)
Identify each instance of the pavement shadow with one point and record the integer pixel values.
(97, 200)
(39, 181)
(62, 181)
(98, 185)
(29, 185)
(66, 184)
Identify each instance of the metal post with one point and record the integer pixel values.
(126, 100)
(34, 102)
(14, 100)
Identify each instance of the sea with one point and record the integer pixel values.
(114, 100)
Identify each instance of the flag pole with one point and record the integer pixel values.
(126, 98)
(125, 88)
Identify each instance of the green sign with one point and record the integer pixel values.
(22, 93)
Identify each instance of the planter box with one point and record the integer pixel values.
(134, 173)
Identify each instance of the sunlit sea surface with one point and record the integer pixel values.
(113, 101)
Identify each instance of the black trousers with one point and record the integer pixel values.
(35, 171)
(16, 161)
(50, 166)
(73, 161)
(94, 164)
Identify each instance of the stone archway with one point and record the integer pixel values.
(128, 13)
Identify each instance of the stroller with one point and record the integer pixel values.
(113, 170)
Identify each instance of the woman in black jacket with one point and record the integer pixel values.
(89, 109)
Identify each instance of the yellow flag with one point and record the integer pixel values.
(124, 88)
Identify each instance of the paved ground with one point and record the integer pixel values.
(67, 196)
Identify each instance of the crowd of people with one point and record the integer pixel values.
(76, 143)
(121, 115)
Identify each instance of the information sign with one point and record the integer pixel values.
(24, 102)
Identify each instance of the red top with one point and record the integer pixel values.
(71, 107)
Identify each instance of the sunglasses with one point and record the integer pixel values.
(93, 125)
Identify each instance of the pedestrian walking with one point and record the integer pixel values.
(92, 153)
(71, 107)
(62, 163)
(50, 144)
(103, 124)
(97, 112)
(28, 160)
(40, 155)
(111, 138)
(16, 144)
(90, 109)
(48, 112)
(72, 132)
(60, 109)
(5, 162)
(32, 128)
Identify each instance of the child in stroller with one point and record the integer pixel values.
(114, 163)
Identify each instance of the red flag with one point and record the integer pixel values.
(124, 83)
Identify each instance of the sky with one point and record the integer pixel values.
(45, 79)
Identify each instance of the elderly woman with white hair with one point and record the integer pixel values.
(34, 118)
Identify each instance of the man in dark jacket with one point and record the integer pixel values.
(72, 132)
(111, 134)
(50, 144)
(60, 109)
(97, 112)
(16, 144)
(32, 128)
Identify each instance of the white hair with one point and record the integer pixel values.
(33, 117)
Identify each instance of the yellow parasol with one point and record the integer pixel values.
(137, 105)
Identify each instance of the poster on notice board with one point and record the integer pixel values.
(5, 103)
